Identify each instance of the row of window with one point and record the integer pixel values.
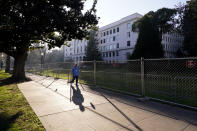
(113, 31)
(108, 39)
(170, 47)
(109, 32)
(79, 58)
(114, 38)
(169, 39)
(80, 49)
(110, 54)
(173, 34)
(113, 46)
(109, 47)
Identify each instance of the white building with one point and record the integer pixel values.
(117, 41)
(171, 42)
(76, 50)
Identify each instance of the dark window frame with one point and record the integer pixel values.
(117, 29)
(128, 43)
(114, 31)
(114, 38)
(117, 45)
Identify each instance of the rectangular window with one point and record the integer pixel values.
(117, 45)
(128, 25)
(101, 41)
(109, 54)
(128, 34)
(106, 54)
(104, 33)
(107, 32)
(117, 53)
(114, 46)
(114, 30)
(128, 43)
(111, 39)
(111, 46)
(110, 31)
(113, 54)
(114, 38)
(118, 29)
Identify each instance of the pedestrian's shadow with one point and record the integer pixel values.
(77, 98)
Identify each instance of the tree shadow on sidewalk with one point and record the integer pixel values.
(6, 120)
(159, 108)
(78, 98)
(11, 80)
(122, 113)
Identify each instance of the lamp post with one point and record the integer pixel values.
(2, 61)
(41, 61)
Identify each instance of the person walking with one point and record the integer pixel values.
(75, 73)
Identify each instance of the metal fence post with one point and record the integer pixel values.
(142, 76)
(95, 72)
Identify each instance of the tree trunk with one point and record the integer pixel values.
(19, 67)
(7, 69)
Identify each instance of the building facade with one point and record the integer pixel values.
(117, 41)
(75, 51)
(171, 42)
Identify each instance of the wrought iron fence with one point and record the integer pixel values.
(173, 80)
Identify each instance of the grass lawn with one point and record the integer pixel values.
(15, 113)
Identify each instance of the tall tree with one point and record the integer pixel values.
(92, 51)
(189, 25)
(151, 27)
(7, 68)
(24, 22)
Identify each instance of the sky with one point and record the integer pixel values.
(112, 10)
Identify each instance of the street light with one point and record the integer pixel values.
(2, 60)
(42, 54)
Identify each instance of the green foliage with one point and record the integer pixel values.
(189, 24)
(92, 51)
(148, 42)
(4, 75)
(26, 22)
(150, 28)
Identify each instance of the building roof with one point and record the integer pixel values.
(123, 20)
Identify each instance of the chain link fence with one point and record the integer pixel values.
(173, 80)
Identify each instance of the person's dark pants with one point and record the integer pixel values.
(75, 77)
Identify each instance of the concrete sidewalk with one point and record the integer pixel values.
(50, 99)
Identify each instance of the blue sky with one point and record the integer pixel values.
(113, 10)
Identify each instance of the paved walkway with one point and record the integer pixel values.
(99, 111)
